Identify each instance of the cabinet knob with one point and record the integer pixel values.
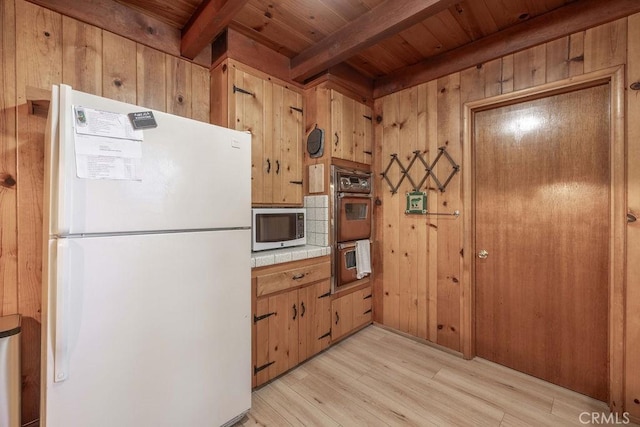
(483, 254)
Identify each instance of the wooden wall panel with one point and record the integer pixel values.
(179, 95)
(82, 56)
(595, 49)
(118, 68)
(632, 400)
(422, 245)
(529, 67)
(557, 60)
(409, 258)
(39, 64)
(8, 163)
(605, 45)
(493, 78)
(449, 230)
(576, 54)
(200, 93)
(507, 74)
(432, 143)
(390, 208)
(40, 48)
(151, 75)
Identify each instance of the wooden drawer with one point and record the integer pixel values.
(291, 278)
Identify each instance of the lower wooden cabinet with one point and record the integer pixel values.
(290, 327)
(349, 312)
(295, 315)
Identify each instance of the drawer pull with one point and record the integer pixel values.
(328, 294)
(303, 309)
(367, 297)
(295, 312)
(298, 276)
(337, 317)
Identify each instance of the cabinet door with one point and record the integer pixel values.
(363, 144)
(362, 307)
(251, 115)
(281, 330)
(352, 129)
(315, 319)
(341, 316)
(287, 145)
(342, 126)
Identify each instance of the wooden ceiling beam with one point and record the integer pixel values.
(572, 18)
(383, 21)
(124, 21)
(207, 23)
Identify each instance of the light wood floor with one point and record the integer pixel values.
(378, 378)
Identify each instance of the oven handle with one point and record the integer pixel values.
(360, 195)
(342, 246)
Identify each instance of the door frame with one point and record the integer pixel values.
(614, 76)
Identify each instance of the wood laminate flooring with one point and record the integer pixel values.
(378, 378)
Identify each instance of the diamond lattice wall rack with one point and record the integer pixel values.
(429, 171)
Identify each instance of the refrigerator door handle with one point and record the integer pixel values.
(61, 292)
(66, 130)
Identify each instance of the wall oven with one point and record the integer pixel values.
(352, 209)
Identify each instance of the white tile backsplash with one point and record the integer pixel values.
(317, 226)
(322, 201)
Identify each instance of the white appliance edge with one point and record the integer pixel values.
(146, 300)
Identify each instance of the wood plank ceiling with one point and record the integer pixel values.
(377, 38)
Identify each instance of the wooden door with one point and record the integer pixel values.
(315, 319)
(363, 151)
(342, 126)
(542, 214)
(253, 114)
(276, 335)
(341, 316)
(362, 307)
(288, 146)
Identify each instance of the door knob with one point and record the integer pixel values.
(483, 254)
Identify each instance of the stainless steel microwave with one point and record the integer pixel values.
(273, 228)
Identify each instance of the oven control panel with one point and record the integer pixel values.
(354, 183)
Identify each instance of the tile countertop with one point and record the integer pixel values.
(278, 256)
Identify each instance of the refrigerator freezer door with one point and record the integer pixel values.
(157, 330)
(194, 176)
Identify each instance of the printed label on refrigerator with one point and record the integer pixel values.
(106, 146)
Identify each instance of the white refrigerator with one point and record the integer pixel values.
(146, 294)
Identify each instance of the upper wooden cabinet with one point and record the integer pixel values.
(246, 99)
(348, 124)
(351, 134)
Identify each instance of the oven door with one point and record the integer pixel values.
(354, 218)
(346, 264)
